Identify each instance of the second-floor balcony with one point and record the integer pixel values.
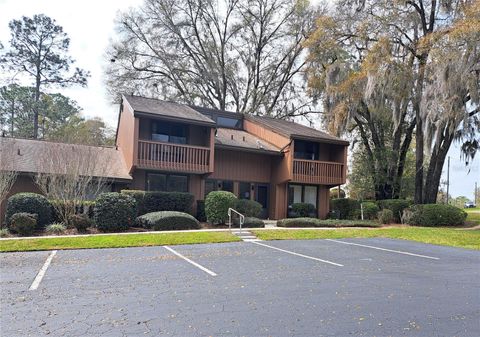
(173, 157)
(318, 172)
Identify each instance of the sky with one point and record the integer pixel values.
(90, 26)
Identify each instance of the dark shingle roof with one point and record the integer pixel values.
(243, 140)
(166, 109)
(295, 130)
(37, 156)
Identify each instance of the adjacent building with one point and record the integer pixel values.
(166, 146)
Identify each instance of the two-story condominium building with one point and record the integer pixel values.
(166, 146)
(174, 147)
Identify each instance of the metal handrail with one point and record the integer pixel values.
(242, 218)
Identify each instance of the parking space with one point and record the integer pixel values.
(359, 287)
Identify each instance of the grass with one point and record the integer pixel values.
(439, 236)
(473, 215)
(115, 241)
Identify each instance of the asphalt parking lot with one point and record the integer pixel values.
(374, 287)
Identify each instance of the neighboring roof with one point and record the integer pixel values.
(37, 156)
(166, 109)
(243, 140)
(295, 130)
(210, 111)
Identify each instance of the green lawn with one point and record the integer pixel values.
(116, 241)
(439, 236)
(473, 215)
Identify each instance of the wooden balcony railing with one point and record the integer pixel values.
(318, 172)
(175, 157)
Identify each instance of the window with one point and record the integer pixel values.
(218, 185)
(306, 150)
(226, 185)
(244, 190)
(229, 122)
(302, 193)
(210, 185)
(169, 132)
(167, 183)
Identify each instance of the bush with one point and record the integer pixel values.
(85, 207)
(148, 202)
(396, 206)
(345, 208)
(79, 221)
(249, 208)
(303, 210)
(30, 203)
(201, 211)
(23, 223)
(217, 204)
(312, 222)
(436, 215)
(166, 220)
(114, 212)
(4, 232)
(370, 210)
(385, 216)
(55, 228)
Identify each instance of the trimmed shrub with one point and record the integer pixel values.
(166, 220)
(345, 208)
(303, 210)
(201, 211)
(249, 208)
(312, 222)
(23, 223)
(217, 204)
(396, 206)
(139, 197)
(436, 215)
(56, 228)
(148, 202)
(30, 203)
(370, 210)
(114, 212)
(80, 221)
(385, 216)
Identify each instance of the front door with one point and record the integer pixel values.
(262, 198)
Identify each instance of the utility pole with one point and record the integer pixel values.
(448, 177)
(475, 195)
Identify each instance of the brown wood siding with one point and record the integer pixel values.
(241, 166)
(323, 201)
(279, 209)
(266, 134)
(126, 140)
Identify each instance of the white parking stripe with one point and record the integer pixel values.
(297, 254)
(208, 271)
(384, 249)
(42, 271)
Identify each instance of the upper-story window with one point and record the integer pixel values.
(306, 150)
(169, 132)
(229, 122)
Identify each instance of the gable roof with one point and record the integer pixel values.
(295, 130)
(38, 156)
(166, 109)
(232, 138)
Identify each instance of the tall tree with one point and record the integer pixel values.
(385, 69)
(39, 51)
(16, 111)
(78, 130)
(244, 55)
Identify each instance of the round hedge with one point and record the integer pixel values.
(23, 223)
(114, 212)
(217, 204)
(249, 208)
(370, 210)
(166, 220)
(436, 215)
(396, 206)
(30, 203)
(304, 210)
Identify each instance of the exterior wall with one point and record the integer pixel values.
(266, 134)
(127, 135)
(323, 201)
(241, 166)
